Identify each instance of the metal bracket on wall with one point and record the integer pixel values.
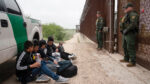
(106, 29)
(0, 28)
(109, 41)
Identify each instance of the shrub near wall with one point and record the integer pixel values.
(53, 30)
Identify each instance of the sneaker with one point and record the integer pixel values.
(62, 80)
(72, 56)
(57, 66)
(42, 79)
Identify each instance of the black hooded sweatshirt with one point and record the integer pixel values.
(50, 49)
(22, 64)
(44, 55)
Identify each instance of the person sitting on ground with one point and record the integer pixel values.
(27, 69)
(50, 56)
(51, 47)
(65, 55)
(42, 78)
(56, 55)
(43, 52)
(60, 47)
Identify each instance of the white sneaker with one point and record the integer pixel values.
(57, 66)
(42, 79)
(62, 80)
(72, 56)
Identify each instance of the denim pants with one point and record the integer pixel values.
(51, 65)
(43, 69)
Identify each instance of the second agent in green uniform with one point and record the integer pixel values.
(99, 30)
(129, 27)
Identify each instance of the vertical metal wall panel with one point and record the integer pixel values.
(109, 16)
(88, 20)
(143, 52)
(121, 4)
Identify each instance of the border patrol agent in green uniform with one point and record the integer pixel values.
(99, 30)
(129, 27)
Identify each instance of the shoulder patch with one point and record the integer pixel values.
(133, 17)
(97, 20)
(122, 20)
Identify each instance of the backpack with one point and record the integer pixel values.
(69, 72)
(63, 65)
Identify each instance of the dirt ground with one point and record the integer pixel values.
(98, 67)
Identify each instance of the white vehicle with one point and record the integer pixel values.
(15, 29)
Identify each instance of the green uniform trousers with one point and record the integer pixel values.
(129, 43)
(99, 36)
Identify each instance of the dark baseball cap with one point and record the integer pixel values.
(128, 5)
(98, 12)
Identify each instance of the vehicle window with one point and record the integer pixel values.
(12, 7)
(1, 6)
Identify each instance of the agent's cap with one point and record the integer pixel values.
(128, 5)
(98, 12)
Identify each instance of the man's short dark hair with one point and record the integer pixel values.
(27, 45)
(42, 42)
(35, 42)
(50, 38)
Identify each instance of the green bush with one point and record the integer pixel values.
(53, 30)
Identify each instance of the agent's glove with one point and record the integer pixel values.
(121, 31)
(125, 32)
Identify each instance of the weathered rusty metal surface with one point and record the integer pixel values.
(88, 20)
(121, 4)
(143, 52)
(109, 17)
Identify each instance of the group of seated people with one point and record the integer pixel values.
(33, 61)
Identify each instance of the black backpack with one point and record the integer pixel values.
(69, 72)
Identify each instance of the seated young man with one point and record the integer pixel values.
(64, 54)
(51, 57)
(51, 47)
(56, 55)
(50, 60)
(27, 69)
(43, 52)
(42, 78)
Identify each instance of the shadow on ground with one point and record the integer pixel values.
(7, 69)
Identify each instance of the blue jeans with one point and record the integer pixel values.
(43, 69)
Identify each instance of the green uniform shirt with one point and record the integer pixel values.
(99, 23)
(130, 22)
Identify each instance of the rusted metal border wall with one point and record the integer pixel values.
(143, 51)
(121, 4)
(109, 17)
(88, 20)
